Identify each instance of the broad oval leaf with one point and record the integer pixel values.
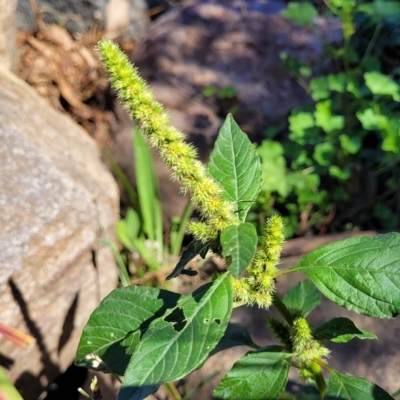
(239, 243)
(361, 274)
(179, 342)
(304, 297)
(263, 375)
(235, 165)
(341, 330)
(116, 325)
(347, 387)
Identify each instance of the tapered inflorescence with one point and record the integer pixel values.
(259, 286)
(179, 156)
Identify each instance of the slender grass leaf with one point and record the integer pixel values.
(180, 341)
(239, 243)
(341, 330)
(361, 274)
(147, 187)
(177, 236)
(304, 297)
(235, 335)
(116, 325)
(235, 165)
(195, 247)
(7, 389)
(347, 387)
(263, 375)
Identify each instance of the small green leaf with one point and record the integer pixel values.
(361, 274)
(319, 88)
(350, 144)
(263, 375)
(235, 165)
(381, 84)
(179, 342)
(235, 335)
(347, 387)
(304, 296)
(239, 243)
(340, 173)
(338, 82)
(300, 13)
(115, 326)
(195, 247)
(325, 119)
(341, 330)
(274, 167)
(324, 153)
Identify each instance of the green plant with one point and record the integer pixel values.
(153, 336)
(350, 136)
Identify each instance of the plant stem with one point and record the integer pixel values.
(171, 389)
(319, 379)
(282, 309)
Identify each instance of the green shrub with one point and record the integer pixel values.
(351, 134)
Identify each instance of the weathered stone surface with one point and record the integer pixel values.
(220, 44)
(8, 34)
(121, 17)
(56, 199)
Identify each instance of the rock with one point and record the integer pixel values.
(222, 44)
(127, 20)
(57, 200)
(8, 34)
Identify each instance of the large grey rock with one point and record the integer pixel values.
(56, 200)
(8, 34)
(118, 17)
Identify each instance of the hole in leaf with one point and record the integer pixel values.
(177, 317)
(206, 320)
(218, 321)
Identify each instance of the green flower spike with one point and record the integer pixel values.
(259, 286)
(179, 156)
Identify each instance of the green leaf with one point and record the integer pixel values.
(324, 153)
(116, 325)
(235, 335)
(239, 243)
(361, 274)
(325, 119)
(338, 82)
(347, 387)
(350, 144)
(7, 389)
(194, 248)
(147, 187)
(274, 167)
(263, 375)
(235, 165)
(319, 88)
(300, 13)
(381, 84)
(179, 342)
(304, 297)
(341, 330)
